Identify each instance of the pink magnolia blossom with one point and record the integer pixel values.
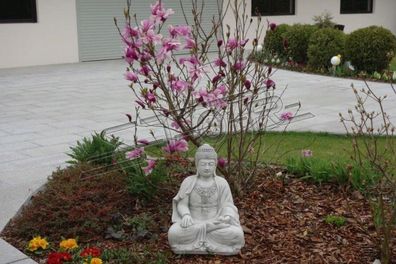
(134, 154)
(131, 76)
(130, 55)
(243, 42)
(190, 43)
(151, 38)
(145, 70)
(176, 146)
(219, 63)
(150, 97)
(179, 85)
(232, 44)
(221, 162)
(143, 141)
(213, 99)
(170, 45)
(239, 65)
(219, 43)
(270, 84)
(146, 25)
(179, 31)
(306, 153)
(158, 12)
(150, 166)
(286, 116)
(247, 84)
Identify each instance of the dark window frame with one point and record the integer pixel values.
(369, 9)
(31, 19)
(271, 12)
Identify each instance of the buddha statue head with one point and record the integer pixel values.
(206, 161)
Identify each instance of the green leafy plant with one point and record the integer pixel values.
(370, 49)
(273, 41)
(298, 36)
(140, 222)
(324, 44)
(96, 150)
(335, 220)
(138, 183)
(324, 20)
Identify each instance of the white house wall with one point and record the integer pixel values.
(53, 39)
(383, 15)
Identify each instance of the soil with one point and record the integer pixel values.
(283, 219)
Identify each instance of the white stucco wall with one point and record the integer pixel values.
(53, 39)
(383, 15)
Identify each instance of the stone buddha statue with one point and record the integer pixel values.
(205, 219)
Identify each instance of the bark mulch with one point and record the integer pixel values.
(283, 220)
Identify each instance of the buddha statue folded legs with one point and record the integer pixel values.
(205, 219)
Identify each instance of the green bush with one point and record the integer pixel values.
(273, 41)
(138, 183)
(324, 44)
(370, 49)
(98, 150)
(298, 36)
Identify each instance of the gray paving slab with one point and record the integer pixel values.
(10, 255)
(45, 109)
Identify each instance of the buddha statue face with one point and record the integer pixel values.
(206, 168)
(206, 161)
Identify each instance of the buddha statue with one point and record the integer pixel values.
(205, 219)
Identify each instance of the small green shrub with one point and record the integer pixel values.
(138, 183)
(324, 44)
(273, 41)
(370, 49)
(360, 177)
(324, 20)
(335, 220)
(298, 36)
(97, 150)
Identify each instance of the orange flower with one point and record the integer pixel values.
(96, 261)
(36, 243)
(68, 244)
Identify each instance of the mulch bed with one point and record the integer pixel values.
(283, 219)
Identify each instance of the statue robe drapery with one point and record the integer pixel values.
(195, 239)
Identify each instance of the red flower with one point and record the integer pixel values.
(58, 257)
(93, 252)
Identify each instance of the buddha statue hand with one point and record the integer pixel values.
(186, 221)
(223, 219)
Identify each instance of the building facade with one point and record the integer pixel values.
(68, 31)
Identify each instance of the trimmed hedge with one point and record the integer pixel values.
(273, 41)
(370, 49)
(324, 44)
(298, 36)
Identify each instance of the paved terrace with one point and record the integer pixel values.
(44, 110)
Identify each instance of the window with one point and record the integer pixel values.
(272, 7)
(356, 6)
(18, 11)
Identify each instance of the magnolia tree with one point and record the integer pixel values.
(196, 81)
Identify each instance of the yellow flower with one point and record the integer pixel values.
(68, 244)
(36, 243)
(96, 261)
